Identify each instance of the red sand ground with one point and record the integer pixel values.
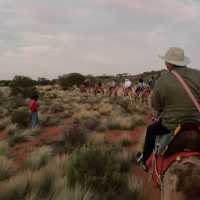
(52, 134)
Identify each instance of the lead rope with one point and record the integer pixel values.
(187, 89)
(159, 176)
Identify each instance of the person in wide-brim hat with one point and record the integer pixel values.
(170, 101)
(176, 56)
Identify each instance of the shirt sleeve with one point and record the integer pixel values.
(156, 99)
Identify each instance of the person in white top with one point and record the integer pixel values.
(127, 84)
(127, 87)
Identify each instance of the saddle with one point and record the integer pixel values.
(184, 143)
(186, 137)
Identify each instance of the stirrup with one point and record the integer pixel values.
(139, 160)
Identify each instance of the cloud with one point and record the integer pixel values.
(49, 38)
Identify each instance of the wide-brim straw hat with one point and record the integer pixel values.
(176, 56)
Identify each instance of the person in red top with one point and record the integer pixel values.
(33, 107)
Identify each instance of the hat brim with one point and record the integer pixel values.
(185, 62)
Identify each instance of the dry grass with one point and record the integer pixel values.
(105, 108)
(39, 157)
(136, 186)
(97, 138)
(5, 122)
(85, 114)
(7, 168)
(34, 185)
(11, 129)
(4, 147)
(32, 131)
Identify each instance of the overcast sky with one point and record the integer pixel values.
(53, 37)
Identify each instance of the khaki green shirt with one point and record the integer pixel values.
(172, 101)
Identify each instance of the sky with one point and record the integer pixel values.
(48, 38)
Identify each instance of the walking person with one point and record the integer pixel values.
(33, 107)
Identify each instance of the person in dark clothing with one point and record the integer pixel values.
(170, 100)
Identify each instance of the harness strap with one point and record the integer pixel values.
(187, 89)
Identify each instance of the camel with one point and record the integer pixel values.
(181, 179)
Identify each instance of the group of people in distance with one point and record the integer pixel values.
(113, 88)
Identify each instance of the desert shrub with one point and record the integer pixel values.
(136, 187)
(77, 193)
(120, 122)
(67, 114)
(105, 108)
(126, 158)
(124, 121)
(26, 92)
(74, 137)
(85, 114)
(32, 131)
(125, 142)
(19, 136)
(100, 170)
(11, 129)
(69, 80)
(138, 119)
(56, 108)
(49, 120)
(4, 122)
(7, 168)
(36, 185)
(3, 111)
(24, 86)
(21, 117)
(4, 147)
(15, 188)
(97, 138)
(22, 81)
(14, 102)
(43, 183)
(39, 157)
(90, 123)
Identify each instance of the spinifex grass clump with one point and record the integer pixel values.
(39, 157)
(21, 117)
(74, 136)
(101, 170)
(7, 168)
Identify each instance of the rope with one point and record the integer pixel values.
(159, 176)
(187, 89)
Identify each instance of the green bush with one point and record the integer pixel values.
(69, 80)
(100, 170)
(125, 142)
(24, 86)
(22, 81)
(21, 117)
